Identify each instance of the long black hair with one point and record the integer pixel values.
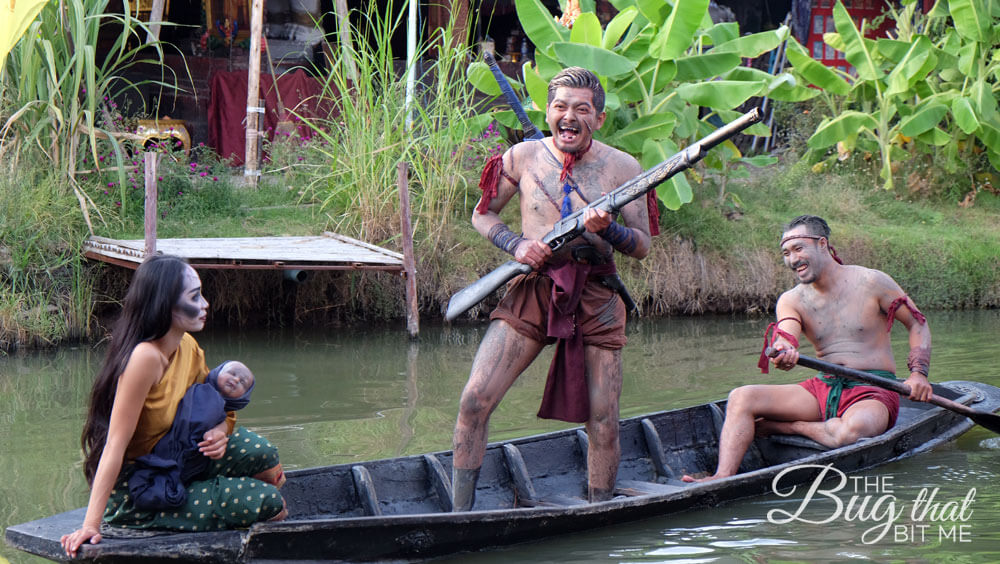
(146, 315)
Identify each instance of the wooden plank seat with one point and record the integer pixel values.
(634, 488)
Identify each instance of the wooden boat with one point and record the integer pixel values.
(529, 488)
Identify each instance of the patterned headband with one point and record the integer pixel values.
(833, 252)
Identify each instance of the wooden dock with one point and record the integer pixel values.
(328, 251)
(294, 255)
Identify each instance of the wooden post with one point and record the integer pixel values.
(344, 30)
(255, 113)
(441, 16)
(152, 193)
(409, 263)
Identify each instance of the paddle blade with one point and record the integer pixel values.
(989, 420)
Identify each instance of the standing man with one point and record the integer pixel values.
(566, 299)
(846, 312)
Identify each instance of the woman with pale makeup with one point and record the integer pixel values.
(151, 362)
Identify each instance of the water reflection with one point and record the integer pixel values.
(327, 397)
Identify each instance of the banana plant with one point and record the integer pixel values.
(670, 75)
(969, 75)
(926, 89)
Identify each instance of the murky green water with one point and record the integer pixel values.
(351, 395)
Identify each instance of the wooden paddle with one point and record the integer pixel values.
(986, 419)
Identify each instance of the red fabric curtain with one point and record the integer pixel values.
(228, 102)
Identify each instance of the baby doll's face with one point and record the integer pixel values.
(234, 380)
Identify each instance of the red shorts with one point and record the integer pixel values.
(820, 389)
(601, 314)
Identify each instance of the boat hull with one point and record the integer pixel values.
(529, 488)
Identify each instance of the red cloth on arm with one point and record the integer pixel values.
(654, 212)
(763, 363)
(489, 182)
(903, 300)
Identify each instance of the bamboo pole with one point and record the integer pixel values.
(255, 113)
(155, 17)
(409, 262)
(152, 193)
(344, 30)
(403, 172)
(411, 68)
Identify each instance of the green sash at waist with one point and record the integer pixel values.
(838, 384)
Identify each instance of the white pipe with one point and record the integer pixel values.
(297, 276)
(411, 53)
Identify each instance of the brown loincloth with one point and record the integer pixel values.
(600, 319)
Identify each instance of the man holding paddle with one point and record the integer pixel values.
(846, 312)
(568, 299)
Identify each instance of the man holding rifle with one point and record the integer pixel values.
(568, 298)
(846, 312)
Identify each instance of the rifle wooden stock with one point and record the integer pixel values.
(571, 226)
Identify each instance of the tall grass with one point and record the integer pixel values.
(57, 93)
(365, 136)
(365, 133)
(46, 292)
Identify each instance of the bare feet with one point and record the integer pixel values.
(692, 479)
(274, 475)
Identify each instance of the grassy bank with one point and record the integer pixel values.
(46, 289)
(707, 259)
(716, 254)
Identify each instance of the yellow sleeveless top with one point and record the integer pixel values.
(185, 369)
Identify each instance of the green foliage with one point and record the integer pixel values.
(662, 65)
(45, 294)
(190, 188)
(929, 90)
(367, 134)
(56, 90)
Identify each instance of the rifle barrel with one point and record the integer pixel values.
(570, 227)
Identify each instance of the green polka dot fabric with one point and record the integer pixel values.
(223, 497)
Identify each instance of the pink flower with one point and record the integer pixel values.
(215, 179)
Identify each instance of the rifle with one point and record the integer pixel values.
(571, 226)
(530, 131)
